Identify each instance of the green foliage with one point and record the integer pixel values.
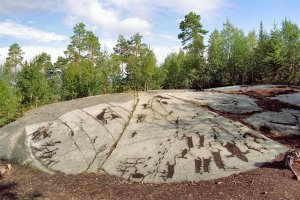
(191, 36)
(13, 61)
(216, 59)
(176, 68)
(32, 85)
(231, 57)
(251, 73)
(274, 57)
(137, 63)
(78, 80)
(290, 51)
(84, 45)
(9, 105)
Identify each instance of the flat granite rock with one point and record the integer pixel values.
(152, 137)
(245, 88)
(169, 140)
(78, 141)
(227, 103)
(293, 99)
(285, 122)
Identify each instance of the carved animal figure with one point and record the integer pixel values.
(140, 118)
(170, 172)
(183, 153)
(190, 142)
(206, 163)
(101, 116)
(235, 151)
(218, 159)
(114, 116)
(198, 165)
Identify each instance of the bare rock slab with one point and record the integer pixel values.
(177, 141)
(293, 99)
(285, 122)
(78, 141)
(155, 137)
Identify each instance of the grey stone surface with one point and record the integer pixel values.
(177, 141)
(293, 99)
(245, 88)
(12, 136)
(285, 122)
(155, 137)
(237, 104)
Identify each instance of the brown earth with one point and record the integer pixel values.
(271, 181)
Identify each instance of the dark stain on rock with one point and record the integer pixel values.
(140, 118)
(100, 117)
(51, 143)
(206, 163)
(235, 151)
(198, 165)
(177, 120)
(94, 139)
(133, 134)
(137, 175)
(218, 159)
(170, 113)
(253, 148)
(201, 141)
(183, 154)
(40, 134)
(169, 173)
(255, 138)
(145, 106)
(190, 142)
(114, 116)
(161, 97)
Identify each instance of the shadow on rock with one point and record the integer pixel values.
(272, 165)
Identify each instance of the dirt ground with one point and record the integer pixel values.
(271, 181)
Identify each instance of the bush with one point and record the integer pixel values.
(9, 106)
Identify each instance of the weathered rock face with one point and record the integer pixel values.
(78, 141)
(293, 99)
(152, 137)
(284, 122)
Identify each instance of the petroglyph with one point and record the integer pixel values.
(198, 165)
(171, 137)
(235, 151)
(169, 173)
(218, 159)
(206, 163)
(101, 116)
(140, 118)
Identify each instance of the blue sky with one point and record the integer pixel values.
(46, 25)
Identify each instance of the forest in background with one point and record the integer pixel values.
(231, 57)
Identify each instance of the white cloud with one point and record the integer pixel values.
(110, 18)
(32, 51)
(133, 25)
(206, 8)
(161, 52)
(97, 13)
(16, 7)
(13, 29)
(108, 43)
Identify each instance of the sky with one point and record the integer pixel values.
(46, 26)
